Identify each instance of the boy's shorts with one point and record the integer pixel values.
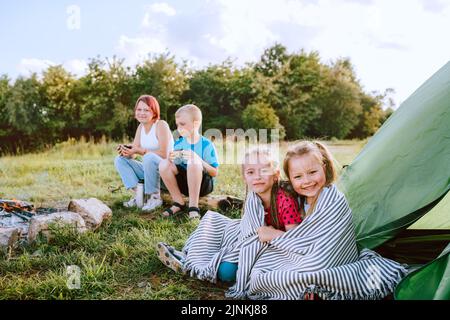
(206, 186)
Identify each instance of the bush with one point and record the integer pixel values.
(261, 116)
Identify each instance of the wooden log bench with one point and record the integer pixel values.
(214, 202)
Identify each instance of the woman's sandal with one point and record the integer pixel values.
(194, 213)
(170, 211)
(167, 256)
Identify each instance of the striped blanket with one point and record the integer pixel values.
(319, 256)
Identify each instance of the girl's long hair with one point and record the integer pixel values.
(275, 188)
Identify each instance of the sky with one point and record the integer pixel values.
(395, 44)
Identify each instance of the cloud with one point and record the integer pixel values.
(152, 36)
(78, 67)
(394, 44)
(156, 14)
(391, 43)
(245, 29)
(185, 34)
(434, 5)
(397, 44)
(139, 48)
(163, 8)
(27, 66)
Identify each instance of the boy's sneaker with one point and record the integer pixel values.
(152, 203)
(131, 203)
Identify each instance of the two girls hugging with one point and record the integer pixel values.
(295, 239)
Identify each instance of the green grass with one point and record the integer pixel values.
(118, 261)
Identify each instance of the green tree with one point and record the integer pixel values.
(222, 92)
(387, 113)
(6, 129)
(61, 111)
(272, 60)
(294, 91)
(373, 115)
(260, 115)
(388, 103)
(164, 79)
(26, 112)
(104, 96)
(25, 105)
(339, 102)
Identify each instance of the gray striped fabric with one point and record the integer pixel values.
(319, 256)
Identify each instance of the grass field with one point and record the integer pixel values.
(118, 261)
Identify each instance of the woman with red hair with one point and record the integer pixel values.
(153, 141)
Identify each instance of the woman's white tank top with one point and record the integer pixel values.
(149, 141)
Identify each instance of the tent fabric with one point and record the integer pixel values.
(405, 166)
(424, 240)
(437, 218)
(430, 282)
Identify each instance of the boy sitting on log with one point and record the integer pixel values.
(192, 166)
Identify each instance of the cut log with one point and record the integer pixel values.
(9, 237)
(222, 202)
(41, 223)
(92, 210)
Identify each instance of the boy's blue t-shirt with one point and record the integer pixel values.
(204, 148)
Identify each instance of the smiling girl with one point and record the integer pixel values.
(309, 167)
(262, 176)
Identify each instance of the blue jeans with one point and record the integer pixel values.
(131, 171)
(227, 271)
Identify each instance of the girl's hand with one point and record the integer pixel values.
(268, 233)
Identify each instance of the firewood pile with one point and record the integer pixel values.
(21, 221)
(21, 209)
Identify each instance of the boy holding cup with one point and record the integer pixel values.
(190, 169)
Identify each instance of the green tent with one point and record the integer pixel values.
(438, 218)
(429, 282)
(398, 185)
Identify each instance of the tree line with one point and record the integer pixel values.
(294, 92)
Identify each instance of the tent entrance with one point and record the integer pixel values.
(415, 247)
